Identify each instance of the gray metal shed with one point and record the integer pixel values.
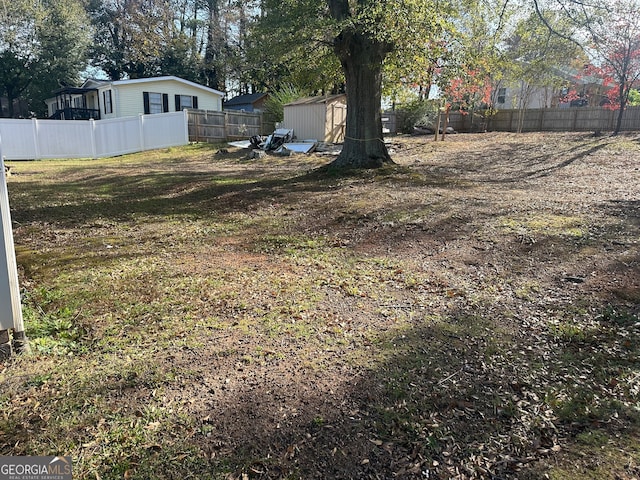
(322, 118)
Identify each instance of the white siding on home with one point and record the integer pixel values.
(92, 100)
(129, 98)
(538, 97)
(51, 106)
(103, 115)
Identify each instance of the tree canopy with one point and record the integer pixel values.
(615, 52)
(43, 47)
(398, 41)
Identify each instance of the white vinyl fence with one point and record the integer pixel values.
(36, 139)
(10, 309)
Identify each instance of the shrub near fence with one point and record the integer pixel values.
(576, 119)
(211, 126)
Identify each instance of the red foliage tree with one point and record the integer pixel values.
(467, 91)
(616, 52)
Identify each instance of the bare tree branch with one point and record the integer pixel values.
(551, 27)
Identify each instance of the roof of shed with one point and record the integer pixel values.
(317, 100)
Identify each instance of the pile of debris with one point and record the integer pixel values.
(430, 130)
(280, 142)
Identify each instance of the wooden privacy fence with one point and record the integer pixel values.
(211, 126)
(575, 119)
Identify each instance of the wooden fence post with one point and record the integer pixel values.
(612, 119)
(541, 125)
(196, 125)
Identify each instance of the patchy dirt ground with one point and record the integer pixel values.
(470, 313)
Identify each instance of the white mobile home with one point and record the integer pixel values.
(104, 99)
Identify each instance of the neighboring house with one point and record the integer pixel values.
(582, 90)
(573, 89)
(523, 96)
(321, 118)
(103, 99)
(252, 102)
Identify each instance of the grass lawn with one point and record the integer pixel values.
(470, 313)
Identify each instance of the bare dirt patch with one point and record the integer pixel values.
(470, 313)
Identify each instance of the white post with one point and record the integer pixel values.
(92, 128)
(141, 131)
(36, 144)
(186, 126)
(10, 307)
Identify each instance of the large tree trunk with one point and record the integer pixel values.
(623, 104)
(10, 99)
(618, 127)
(361, 57)
(215, 42)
